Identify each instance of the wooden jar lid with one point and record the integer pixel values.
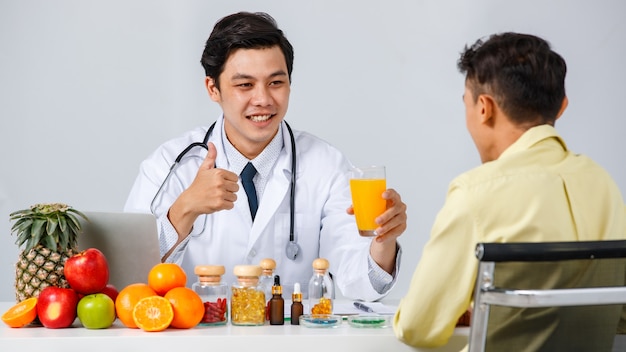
(247, 270)
(209, 270)
(321, 264)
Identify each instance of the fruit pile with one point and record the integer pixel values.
(161, 303)
(90, 297)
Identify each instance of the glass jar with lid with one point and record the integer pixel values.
(213, 292)
(321, 288)
(247, 303)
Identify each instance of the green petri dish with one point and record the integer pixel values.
(369, 321)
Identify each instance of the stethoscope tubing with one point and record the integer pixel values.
(292, 247)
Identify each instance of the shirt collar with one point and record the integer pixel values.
(531, 137)
(263, 163)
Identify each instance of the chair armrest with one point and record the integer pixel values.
(549, 251)
(554, 297)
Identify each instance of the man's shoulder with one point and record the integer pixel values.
(185, 138)
(531, 166)
(306, 140)
(311, 148)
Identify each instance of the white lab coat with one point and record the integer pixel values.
(229, 237)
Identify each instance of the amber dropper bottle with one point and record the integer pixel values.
(296, 306)
(277, 304)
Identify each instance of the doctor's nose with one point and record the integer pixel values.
(262, 96)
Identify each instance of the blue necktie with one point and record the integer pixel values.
(246, 179)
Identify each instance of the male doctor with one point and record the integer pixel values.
(204, 213)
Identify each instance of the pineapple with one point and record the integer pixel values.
(49, 234)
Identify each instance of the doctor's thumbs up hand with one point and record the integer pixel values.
(212, 190)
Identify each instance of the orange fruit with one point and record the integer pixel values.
(166, 276)
(126, 300)
(153, 313)
(187, 305)
(21, 314)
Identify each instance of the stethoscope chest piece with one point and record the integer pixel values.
(292, 250)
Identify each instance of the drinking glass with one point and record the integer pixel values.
(367, 185)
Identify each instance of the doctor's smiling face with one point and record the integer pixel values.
(253, 93)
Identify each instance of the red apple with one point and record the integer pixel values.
(87, 272)
(56, 307)
(110, 291)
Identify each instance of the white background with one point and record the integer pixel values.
(89, 88)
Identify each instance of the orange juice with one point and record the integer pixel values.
(368, 203)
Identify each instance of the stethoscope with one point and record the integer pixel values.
(292, 249)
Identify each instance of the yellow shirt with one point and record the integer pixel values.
(536, 191)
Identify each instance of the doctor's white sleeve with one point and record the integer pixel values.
(381, 280)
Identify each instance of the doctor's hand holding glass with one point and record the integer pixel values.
(248, 187)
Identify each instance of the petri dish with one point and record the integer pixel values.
(320, 320)
(370, 321)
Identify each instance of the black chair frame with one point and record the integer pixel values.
(486, 294)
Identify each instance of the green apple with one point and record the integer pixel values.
(96, 311)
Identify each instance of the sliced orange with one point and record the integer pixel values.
(21, 314)
(153, 313)
(126, 300)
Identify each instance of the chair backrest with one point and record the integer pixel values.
(551, 296)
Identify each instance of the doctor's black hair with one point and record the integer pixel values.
(242, 30)
(521, 72)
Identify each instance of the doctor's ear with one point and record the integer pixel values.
(212, 88)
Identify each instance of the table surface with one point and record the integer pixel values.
(217, 338)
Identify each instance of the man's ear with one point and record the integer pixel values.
(212, 89)
(564, 105)
(487, 107)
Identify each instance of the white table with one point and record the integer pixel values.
(266, 338)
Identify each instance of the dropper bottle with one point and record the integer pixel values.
(296, 306)
(277, 304)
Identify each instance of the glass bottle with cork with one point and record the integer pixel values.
(247, 302)
(213, 292)
(321, 288)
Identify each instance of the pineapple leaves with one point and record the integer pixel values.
(51, 225)
(22, 232)
(62, 223)
(22, 225)
(36, 231)
(74, 211)
(74, 227)
(37, 235)
(50, 242)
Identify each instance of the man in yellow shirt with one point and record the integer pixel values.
(530, 187)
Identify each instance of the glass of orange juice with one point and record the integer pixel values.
(367, 185)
